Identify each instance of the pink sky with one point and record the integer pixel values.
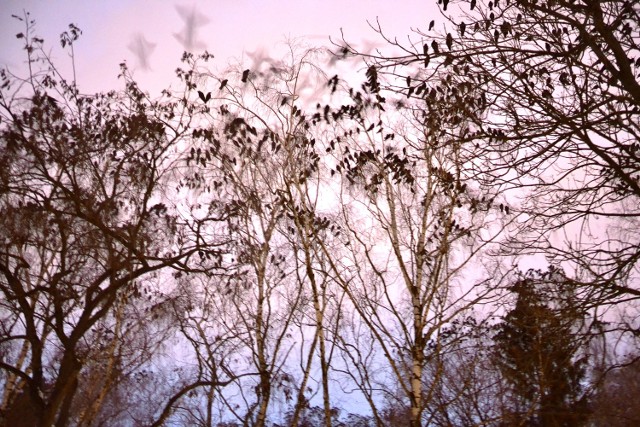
(112, 28)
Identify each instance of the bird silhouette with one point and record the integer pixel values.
(192, 20)
(203, 97)
(142, 49)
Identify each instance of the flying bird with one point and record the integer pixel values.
(142, 49)
(203, 97)
(192, 20)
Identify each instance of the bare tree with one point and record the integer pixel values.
(555, 87)
(471, 390)
(558, 83)
(86, 223)
(614, 403)
(412, 226)
(253, 153)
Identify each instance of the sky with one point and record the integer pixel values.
(152, 34)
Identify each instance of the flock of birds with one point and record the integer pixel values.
(142, 48)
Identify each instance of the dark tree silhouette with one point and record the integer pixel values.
(616, 402)
(86, 227)
(538, 351)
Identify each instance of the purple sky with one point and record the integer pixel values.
(115, 30)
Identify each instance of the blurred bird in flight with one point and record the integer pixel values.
(142, 49)
(192, 20)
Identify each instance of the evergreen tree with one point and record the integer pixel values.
(537, 350)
